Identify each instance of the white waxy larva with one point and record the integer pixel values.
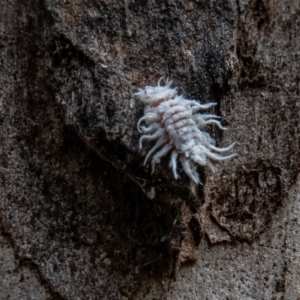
(175, 125)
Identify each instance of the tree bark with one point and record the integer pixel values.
(81, 217)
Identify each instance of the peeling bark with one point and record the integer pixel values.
(81, 214)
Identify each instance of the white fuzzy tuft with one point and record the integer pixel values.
(175, 125)
(154, 95)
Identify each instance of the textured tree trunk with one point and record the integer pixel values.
(81, 217)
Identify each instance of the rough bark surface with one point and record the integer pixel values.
(80, 216)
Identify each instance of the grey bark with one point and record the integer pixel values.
(80, 216)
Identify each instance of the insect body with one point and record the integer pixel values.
(175, 125)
